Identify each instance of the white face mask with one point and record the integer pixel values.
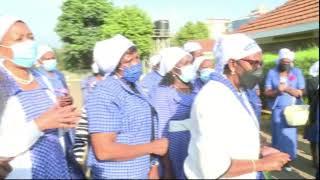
(24, 53)
(188, 73)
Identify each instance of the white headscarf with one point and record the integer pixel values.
(5, 23)
(191, 47)
(107, 53)
(285, 53)
(43, 49)
(94, 68)
(198, 61)
(314, 69)
(155, 59)
(235, 47)
(170, 57)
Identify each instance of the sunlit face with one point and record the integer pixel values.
(206, 64)
(249, 63)
(19, 32)
(186, 60)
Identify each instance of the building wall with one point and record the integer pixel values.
(293, 45)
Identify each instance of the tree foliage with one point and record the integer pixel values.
(191, 31)
(133, 23)
(79, 27)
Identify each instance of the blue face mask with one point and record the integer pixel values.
(24, 53)
(132, 73)
(205, 74)
(49, 65)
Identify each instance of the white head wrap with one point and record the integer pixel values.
(107, 53)
(191, 47)
(285, 53)
(43, 49)
(94, 68)
(155, 59)
(5, 23)
(170, 57)
(314, 69)
(235, 47)
(198, 61)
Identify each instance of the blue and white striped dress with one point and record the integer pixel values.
(114, 107)
(47, 156)
(150, 81)
(173, 106)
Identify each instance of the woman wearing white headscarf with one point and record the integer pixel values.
(122, 122)
(284, 86)
(224, 129)
(173, 99)
(194, 48)
(30, 120)
(312, 90)
(204, 67)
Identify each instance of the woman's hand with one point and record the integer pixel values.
(160, 146)
(58, 117)
(154, 173)
(65, 100)
(266, 150)
(5, 168)
(272, 162)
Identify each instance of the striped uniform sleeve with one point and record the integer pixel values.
(104, 115)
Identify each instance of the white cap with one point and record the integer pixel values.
(5, 23)
(43, 49)
(155, 59)
(235, 47)
(286, 53)
(107, 53)
(192, 47)
(94, 68)
(170, 57)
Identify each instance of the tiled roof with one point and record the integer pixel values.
(291, 13)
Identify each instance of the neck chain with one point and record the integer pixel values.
(18, 79)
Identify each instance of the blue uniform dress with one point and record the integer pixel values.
(113, 107)
(47, 156)
(173, 106)
(150, 81)
(284, 137)
(60, 87)
(197, 85)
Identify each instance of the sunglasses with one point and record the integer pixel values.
(253, 63)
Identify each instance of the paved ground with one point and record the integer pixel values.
(302, 167)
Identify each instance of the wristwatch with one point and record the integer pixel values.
(155, 163)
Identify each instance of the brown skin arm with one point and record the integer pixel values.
(271, 93)
(294, 92)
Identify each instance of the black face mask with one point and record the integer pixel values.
(251, 78)
(284, 67)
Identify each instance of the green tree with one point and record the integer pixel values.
(133, 23)
(191, 31)
(79, 27)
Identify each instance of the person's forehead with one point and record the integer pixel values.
(48, 54)
(19, 28)
(206, 63)
(285, 60)
(254, 57)
(185, 60)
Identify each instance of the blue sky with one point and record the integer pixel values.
(41, 15)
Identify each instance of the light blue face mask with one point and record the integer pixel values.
(49, 65)
(188, 73)
(24, 53)
(205, 74)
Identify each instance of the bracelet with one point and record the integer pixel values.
(254, 166)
